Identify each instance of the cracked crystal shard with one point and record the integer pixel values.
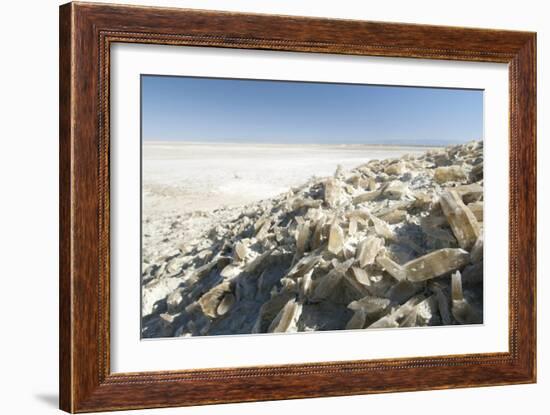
(382, 228)
(477, 210)
(462, 310)
(335, 239)
(367, 250)
(302, 237)
(390, 266)
(325, 285)
(332, 192)
(226, 304)
(398, 318)
(240, 251)
(436, 263)
(449, 174)
(286, 319)
(395, 190)
(210, 301)
(463, 222)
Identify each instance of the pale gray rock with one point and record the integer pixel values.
(336, 239)
(225, 304)
(476, 254)
(436, 264)
(324, 286)
(395, 190)
(381, 228)
(368, 249)
(210, 301)
(462, 311)
(395, 169)
(241, 251)
(366, 197)
(400, 317)
(477, 209)
(449, 174)
(286, 319)
(333, 192)
(390, 266)
(357, 321)
(303, 233)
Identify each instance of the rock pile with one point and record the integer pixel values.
(391, 243)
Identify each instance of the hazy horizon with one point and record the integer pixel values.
(271, 143)
(243, 111)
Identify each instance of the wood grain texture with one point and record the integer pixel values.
(86, 33)
(65, 251)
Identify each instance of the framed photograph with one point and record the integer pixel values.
(258, 207)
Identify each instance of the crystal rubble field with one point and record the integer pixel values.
(391, 243)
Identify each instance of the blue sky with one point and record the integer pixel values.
(234, 110)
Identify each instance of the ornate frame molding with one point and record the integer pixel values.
(86, 33)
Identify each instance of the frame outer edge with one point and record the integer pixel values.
(528, 141)
(534, 172)
(523, 114)
(66, 120)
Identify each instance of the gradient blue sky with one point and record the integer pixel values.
(233, 110)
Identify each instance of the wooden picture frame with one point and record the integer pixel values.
(86, 33)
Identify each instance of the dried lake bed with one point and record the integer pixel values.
(187, 188)
(185, 177)
(243, 238)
